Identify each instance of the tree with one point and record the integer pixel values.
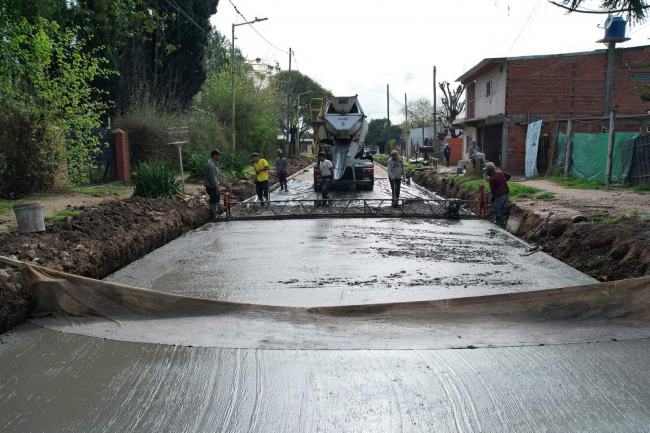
(420, 112)
(46, 94)
(377, 134)
(300, 83)
(634, 9)
(451, 105)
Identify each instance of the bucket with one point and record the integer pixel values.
(459, 170)
(29, 217)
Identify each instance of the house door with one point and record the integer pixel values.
(490, 143)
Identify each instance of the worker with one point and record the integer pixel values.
(473, 149)
(281, 170)
(261, 168)
(396, 170)
(447, 153)
(211, 182)
(499, 188)
(326, 178)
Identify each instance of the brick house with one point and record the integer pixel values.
(504, 94)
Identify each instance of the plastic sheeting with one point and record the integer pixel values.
(560, 150)
(589, 156)
(532, 147)
(79, 305)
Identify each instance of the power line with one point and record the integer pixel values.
(525, 24)
(293, 53)
(182, 12)
(254, 29)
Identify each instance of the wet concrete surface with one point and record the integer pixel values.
(53, 382)
(310, 263)
(302, 188)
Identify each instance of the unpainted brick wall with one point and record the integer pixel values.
(571, 86)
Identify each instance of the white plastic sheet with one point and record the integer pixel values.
(532, 143)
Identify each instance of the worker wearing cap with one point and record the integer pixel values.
(211, 182)
(447, 153)
(326, 178)
(261, 168)
(396, 170)
(281, 169)
(499, 188)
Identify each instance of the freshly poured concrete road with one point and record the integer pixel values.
(53, 382)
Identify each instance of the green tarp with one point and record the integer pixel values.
(589, 156)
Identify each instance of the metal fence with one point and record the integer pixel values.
(356, 208)
(640, 167)
(102, 168)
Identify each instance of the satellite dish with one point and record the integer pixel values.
(608, 21)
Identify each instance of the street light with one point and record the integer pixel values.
(232, 61)
(298, 117)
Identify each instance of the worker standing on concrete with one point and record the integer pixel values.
(326, 178)
(261, 168)
(499, 188)
(447, 154)
(281, 169)
(396, 170)
(474, 149)
(211, 182)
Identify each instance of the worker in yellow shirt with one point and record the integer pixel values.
(261, 168)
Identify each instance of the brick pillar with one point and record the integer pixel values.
(121, 139)
(456, 145)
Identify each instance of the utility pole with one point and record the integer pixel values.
(406, 124)
(289, 107)
(435, 110)
(610, 147)
(232, 74)
(232, 77)
(388, 114)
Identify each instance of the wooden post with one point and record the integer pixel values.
(550, 155)
(569, 149)
(610, 148)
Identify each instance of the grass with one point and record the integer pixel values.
(63, 214)
(5, 207)
(641, 189)
(575, 183)
(516, 190)
(381, 158)
(606, 219)
(12, 228)
(635, 212)
(101, 190)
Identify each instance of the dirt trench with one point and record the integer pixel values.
(607, 251)
(104, 238)
(96, 243)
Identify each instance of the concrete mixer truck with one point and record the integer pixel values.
(340, 130)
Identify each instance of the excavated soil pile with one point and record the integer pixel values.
(607, 251)
(96, 243)
(246, 188)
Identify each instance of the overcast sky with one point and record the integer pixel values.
(358, 46)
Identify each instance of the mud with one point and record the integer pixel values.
(99, 241)
(607, 251)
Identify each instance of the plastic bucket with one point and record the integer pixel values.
(29, 217)
(459, 170)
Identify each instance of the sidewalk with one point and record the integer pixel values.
(569, 202)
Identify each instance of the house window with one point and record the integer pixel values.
(488, 88)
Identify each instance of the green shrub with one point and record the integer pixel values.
(233, 167)
(155, 179)
(195, 166)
